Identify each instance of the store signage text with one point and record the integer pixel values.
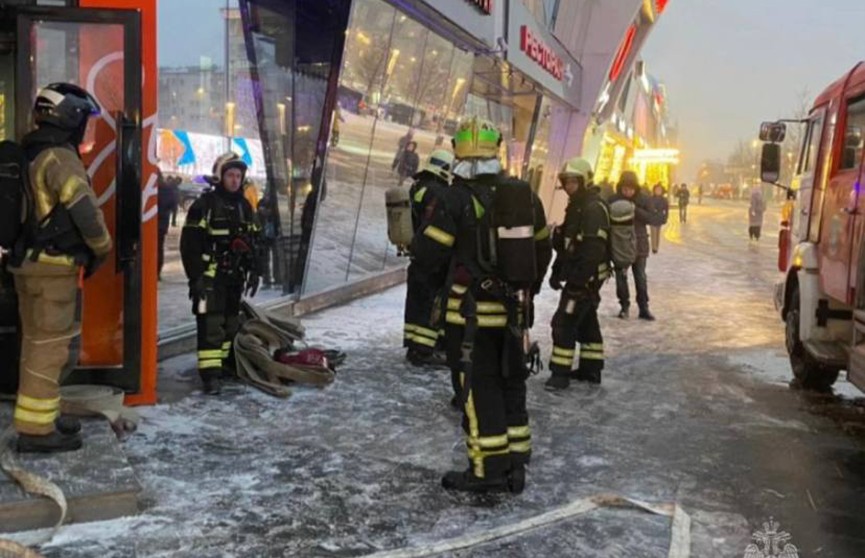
(541, 53)
(486, 6)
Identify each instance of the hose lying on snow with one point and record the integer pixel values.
(680, 545)
(259, 337)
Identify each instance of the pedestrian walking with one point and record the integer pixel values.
(167, 201)
(755, 213)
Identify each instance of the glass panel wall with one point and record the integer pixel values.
(256, 77)
(402, 90)
(352, 159)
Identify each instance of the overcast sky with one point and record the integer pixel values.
(729, 64)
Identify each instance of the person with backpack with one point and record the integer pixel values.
(64, 234)
(581, 267)
(223, 258)
(421, 331)
(492, 236)
(629, 190)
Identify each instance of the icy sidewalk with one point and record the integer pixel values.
(355, 468)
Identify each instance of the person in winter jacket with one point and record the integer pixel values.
(629, 189)
(755, 213)
(684, 196)
(660, 212)
(408, 162)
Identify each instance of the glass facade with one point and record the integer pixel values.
(402, 89)
(331, 103)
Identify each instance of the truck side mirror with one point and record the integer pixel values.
(770, 163)
(774, 132)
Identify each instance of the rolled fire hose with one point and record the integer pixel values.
(680, 544)
(79, 400)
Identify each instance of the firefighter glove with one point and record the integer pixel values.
(93, 263)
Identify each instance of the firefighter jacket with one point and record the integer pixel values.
(582, 242)
(71, 230)
(449, 237)
(221, 239)
(424, 194)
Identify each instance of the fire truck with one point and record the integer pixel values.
(821, 297)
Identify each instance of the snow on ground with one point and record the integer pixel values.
(694, 409)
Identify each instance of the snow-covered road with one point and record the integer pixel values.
(694, 409)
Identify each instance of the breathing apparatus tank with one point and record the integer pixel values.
(399, 225)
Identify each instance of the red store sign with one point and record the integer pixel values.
(539, 51)
(486, 6)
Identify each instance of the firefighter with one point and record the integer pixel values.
(71, 238)
(581, 267)
(421, 331)
(221, 250)
(492, 236)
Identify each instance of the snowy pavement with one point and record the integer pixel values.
(693, 409)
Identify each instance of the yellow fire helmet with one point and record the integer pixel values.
(576, 167)
(477, 138)
(440, 163)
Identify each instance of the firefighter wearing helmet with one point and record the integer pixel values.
(421, 331)
(221, 250)
(47, 260)
(492, 237)
(581, 267)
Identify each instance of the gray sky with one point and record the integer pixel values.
(729, 64)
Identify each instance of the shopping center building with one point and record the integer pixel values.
(316, 96)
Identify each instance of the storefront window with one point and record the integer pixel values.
(401, 85)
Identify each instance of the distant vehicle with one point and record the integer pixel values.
(821, 297)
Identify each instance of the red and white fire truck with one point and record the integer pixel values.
(821, 298)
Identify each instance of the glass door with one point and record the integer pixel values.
(98, 50)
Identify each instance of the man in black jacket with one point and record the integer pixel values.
(629, 189)
(582, 265)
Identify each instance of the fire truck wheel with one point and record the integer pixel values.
(808, 373)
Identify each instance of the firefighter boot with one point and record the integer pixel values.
(517, 478)
(558, 382)
(466, 481)
(67, 424)
(55, 442)
(211, 382)
(589, 376)
(421, 358)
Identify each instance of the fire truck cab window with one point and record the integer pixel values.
(810, 145)
(851, 155)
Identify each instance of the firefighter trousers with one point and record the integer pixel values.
(576, 321)
(420, 333)
(49, 331)
(217, 327)
(495, 419)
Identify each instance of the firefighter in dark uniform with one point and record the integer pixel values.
(47, 264)
(581, 267)
(496, 265)
(221, 250)
(426, 193)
